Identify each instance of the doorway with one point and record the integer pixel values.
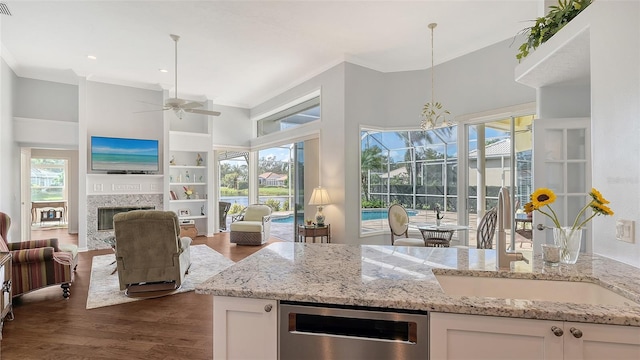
(500, 155)
(281, 186)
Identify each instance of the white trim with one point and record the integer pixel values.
(500, 113)
(292, 103)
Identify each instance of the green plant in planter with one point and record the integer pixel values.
(547, 26)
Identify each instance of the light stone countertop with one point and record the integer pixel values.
(403, 278)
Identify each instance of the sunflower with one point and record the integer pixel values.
(599, 208)
(528, 207)
(597, 196)
(542, 197)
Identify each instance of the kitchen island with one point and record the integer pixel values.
(404, 279)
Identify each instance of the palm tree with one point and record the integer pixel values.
(412, 139)
(371, 160)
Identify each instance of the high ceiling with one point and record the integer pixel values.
(242, 53)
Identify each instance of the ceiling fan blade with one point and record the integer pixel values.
(203, 112)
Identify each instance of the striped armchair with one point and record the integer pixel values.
(38, 263)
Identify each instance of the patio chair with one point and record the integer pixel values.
(223, 210)
(487, 229)
(399, 226)
(254, 228)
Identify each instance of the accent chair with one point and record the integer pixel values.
(149, 250)
(399, 226)
(254, 228)
(38, 263)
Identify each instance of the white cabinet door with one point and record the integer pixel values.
(245, 328)
(595, 341)
(562, 162)
(455, 336)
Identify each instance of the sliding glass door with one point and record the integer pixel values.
(499, 155)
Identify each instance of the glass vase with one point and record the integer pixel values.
(569, 240)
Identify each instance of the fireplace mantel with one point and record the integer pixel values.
(110, 184)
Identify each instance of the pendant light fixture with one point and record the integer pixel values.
(433, 116)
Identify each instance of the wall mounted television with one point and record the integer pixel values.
(122, 155)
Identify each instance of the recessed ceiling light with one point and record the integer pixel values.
(164, 70)
(91, 57)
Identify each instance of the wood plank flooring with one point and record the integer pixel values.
(46, 326)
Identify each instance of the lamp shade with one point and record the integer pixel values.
(320, 196)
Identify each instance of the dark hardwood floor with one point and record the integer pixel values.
(46, 326)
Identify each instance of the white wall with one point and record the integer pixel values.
(365, 104)
(9, 152)
(615, 121)
(232, 128)
(38, 99)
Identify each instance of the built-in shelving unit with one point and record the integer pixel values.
(188, 168)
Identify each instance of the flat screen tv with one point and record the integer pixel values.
(120, 155)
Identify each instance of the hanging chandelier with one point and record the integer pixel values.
(433, 115)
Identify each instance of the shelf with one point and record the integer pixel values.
(188, 200)
(187, 183)
(192, 217)
(563, 59)
(187, 167)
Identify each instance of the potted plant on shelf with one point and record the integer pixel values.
(547, 26)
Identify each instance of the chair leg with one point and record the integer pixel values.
(65, 290)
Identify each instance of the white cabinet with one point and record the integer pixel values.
(595, 341)
(245, 328)
(455, 336)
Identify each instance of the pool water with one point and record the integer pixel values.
(375, 214)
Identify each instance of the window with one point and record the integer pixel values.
(417, 169)
(294, 116)
(48, 179)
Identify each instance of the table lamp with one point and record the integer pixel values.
(319, 197)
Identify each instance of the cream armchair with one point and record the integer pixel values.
(254, 228)
(149, 250)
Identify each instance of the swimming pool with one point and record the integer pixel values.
(366, 214)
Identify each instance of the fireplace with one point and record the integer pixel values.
(105, 215)
(122, 202)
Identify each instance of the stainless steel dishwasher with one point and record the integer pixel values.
(327, 332)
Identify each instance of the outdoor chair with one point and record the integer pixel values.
(254, 228)
(38, 263)
(399, 226)
(487, 229)
(223, 210)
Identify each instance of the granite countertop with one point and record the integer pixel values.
(404, 278)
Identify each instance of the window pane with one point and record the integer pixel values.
(297, 115)
(47, 179)
(416, 169)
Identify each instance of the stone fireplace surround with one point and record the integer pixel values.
(112, 191)
(95, 238)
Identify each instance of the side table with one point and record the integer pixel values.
(188, 230)
(6, 307)
(323, 232)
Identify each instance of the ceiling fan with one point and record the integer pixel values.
(181, 106)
